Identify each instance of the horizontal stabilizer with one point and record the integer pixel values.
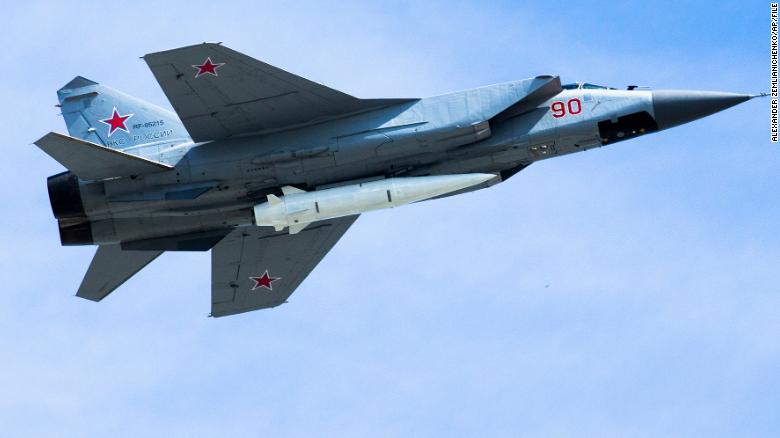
(110, 268)
(90, 161)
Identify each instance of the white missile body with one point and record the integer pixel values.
(298, 208)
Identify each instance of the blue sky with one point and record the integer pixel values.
(626, 291)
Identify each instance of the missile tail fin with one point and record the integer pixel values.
(274, 200)
(296, 228)
(289, 190)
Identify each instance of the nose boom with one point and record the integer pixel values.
(675, 107)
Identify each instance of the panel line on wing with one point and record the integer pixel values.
(260, 99)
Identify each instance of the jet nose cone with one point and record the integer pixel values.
(675, 107)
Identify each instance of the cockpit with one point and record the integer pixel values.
(585, 86)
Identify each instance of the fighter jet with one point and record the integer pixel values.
(268, 170)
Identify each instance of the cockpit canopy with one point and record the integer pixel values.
(585, 86)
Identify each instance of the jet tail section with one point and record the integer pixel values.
(102, 115)
(90, 161)
(110, 268)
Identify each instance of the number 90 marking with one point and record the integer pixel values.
(574, 106)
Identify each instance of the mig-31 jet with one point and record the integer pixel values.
(268, 170)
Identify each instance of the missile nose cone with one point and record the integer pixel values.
(675, 107)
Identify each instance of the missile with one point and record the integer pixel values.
(297, 208)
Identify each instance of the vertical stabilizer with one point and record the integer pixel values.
(102, 115)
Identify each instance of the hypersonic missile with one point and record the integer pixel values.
(298, 208)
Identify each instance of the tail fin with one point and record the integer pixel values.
(105, 116)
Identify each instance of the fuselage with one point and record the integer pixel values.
(215, 185)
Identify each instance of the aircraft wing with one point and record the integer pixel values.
(255, 267)
(218, 92)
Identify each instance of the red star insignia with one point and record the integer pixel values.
(207, 67)
(117, 122)
(264, 280)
